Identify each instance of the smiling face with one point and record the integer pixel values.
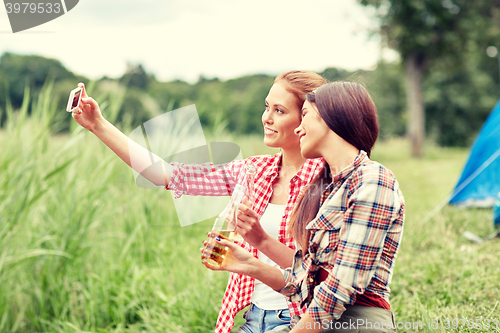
(313, 132)
(280, 118)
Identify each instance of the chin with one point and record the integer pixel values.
(306, 153)
(270, 143)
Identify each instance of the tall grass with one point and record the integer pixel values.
(440, 274)
(82, 248)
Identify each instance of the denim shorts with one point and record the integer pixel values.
(259, 321)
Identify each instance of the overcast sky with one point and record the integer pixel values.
(182, 39)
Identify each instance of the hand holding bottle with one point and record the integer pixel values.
(248, 225)
(225, 224)
(237, 259)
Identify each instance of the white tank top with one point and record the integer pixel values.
(264, 296)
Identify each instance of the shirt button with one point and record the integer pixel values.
(311, 280)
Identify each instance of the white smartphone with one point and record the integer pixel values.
(75, 96)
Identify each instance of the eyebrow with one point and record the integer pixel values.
(277, 105)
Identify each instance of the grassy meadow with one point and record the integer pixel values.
(83, 249)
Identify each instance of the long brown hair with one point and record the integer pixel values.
(300, 83)
(349, 111)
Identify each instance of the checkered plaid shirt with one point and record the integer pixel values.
(213, 180)
(355, 237)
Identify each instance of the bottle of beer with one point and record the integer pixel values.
(225, 224)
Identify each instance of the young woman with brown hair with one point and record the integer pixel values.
(278, 181)
(348, 222)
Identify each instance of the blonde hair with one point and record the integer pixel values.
(300, 83)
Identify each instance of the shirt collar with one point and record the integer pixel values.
(273, 170)
(344, 173)
(305, 173)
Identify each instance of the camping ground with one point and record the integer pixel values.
(84, 249)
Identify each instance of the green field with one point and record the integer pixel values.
(82, 248)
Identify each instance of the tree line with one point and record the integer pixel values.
(457, 99)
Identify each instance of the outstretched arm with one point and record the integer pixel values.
(149, 165)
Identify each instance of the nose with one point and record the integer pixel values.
(298, 130)
(266, 117)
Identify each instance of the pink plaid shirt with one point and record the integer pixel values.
(219, 180)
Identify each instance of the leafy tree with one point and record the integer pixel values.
(171, 95)
(235, 105)
(458, 101)
(386, 86)
(21, 70)
(136, 77)
(335, 74)
(245, 102)
(427, 31)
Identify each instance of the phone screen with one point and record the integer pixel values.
(76, 99)
(75, 96)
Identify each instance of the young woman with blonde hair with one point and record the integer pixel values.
(278, 181)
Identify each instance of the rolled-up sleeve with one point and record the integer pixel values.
(290, 288)
(293, 276)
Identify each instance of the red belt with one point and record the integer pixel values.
(367, 299)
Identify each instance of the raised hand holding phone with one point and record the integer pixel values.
(89, 116)
(87, 113)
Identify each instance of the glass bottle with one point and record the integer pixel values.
(225, 224)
